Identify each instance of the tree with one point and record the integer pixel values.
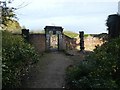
(113, 24)
(8, 17)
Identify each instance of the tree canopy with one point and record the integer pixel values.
(8, 17)
(113, 24)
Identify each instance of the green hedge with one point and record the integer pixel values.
(101, 69)
(17, 56)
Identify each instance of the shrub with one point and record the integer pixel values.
(16, 58)
(100, 70)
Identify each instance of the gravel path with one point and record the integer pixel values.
(49, 72)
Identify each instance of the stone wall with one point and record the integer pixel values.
(38, 41)
(68, 43)
(89, 43)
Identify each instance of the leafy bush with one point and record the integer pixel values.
(101, 69)
(17, 56)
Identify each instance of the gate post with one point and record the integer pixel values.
(25, 34)
(47, 39)
(60, 42)
(81, 35)
(0, 16)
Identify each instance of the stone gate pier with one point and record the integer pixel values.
(57, 32)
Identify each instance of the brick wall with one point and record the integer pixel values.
(38, 41)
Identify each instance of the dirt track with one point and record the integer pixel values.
(49, 72)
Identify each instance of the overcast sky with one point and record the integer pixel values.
(74, 15)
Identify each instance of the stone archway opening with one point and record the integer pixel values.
(54, 38)
(54, 42)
